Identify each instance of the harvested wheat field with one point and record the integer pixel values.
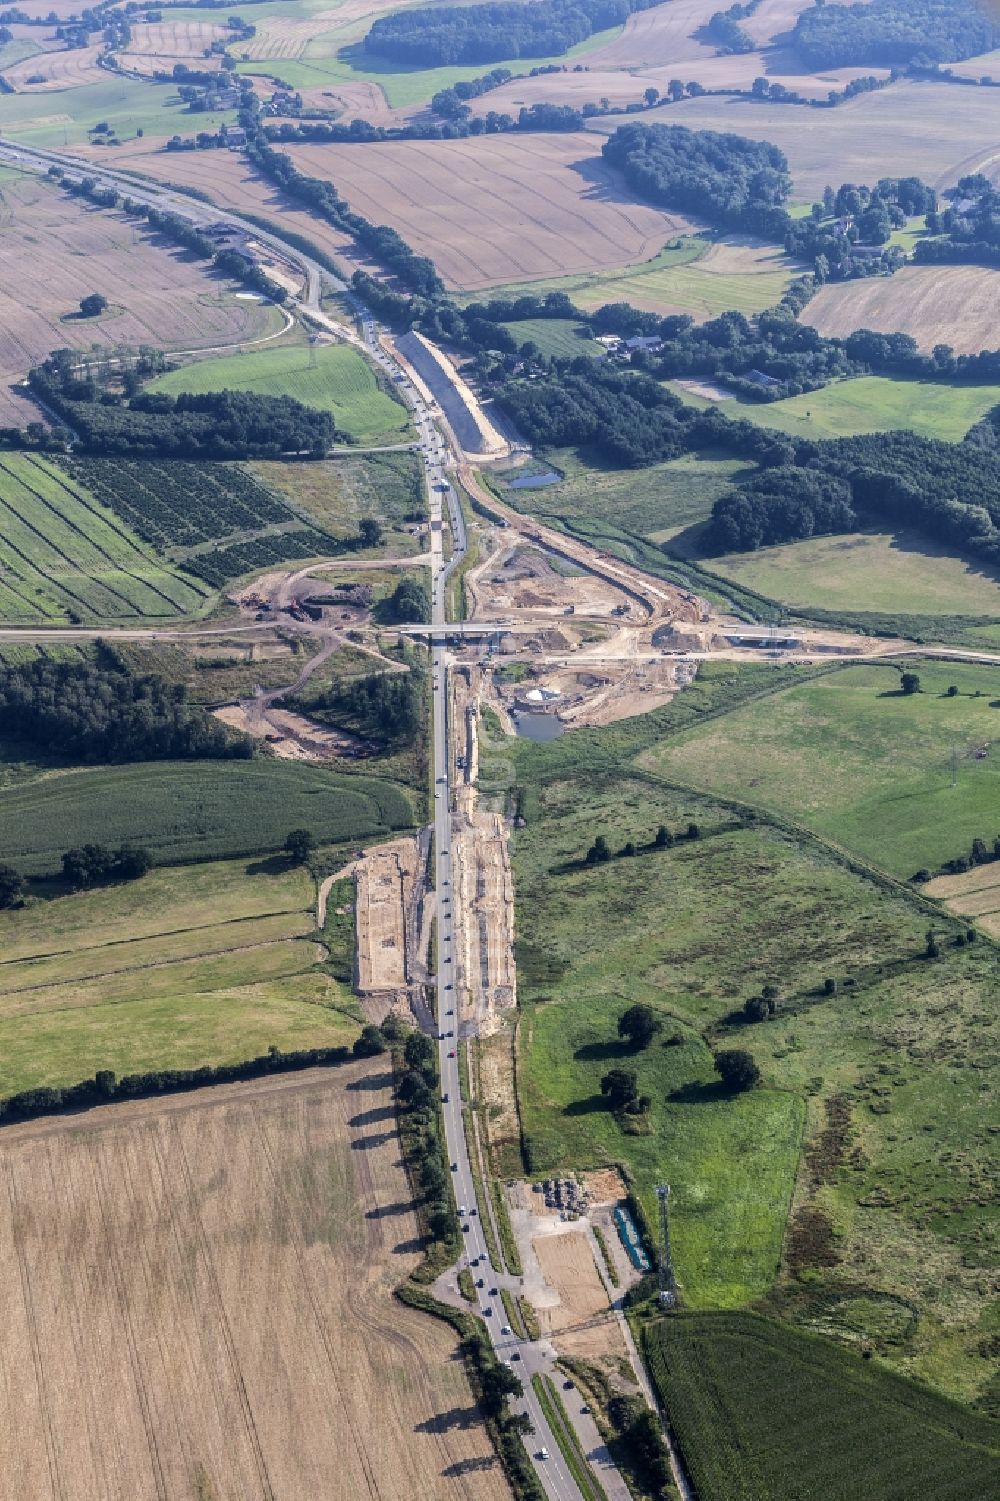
(974, 894)
(667, 34)
(61, 69)
(199, 1305)
(871, 136)
(231, 183)
(158, 295)
(156, 48)
(493, 209)
(956, 305)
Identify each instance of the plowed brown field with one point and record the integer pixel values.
(198, 1305)
(491, 209)
(956, 305)
(157, 293)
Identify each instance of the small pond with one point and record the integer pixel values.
(537, 726)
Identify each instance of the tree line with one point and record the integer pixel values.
(885, 33)
(106, 1087)
(487, 32)
(101, 712)
(210, 424)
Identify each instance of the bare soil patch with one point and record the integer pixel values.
(956, 305)
(199, 1305)
(385, 883)
(492, 209)
(580, 1319)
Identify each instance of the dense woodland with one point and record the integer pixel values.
(214, 425)
(782, 504)
(727, 179)
(101, 712)
(437, 38)
(385, 706)
(888, 32)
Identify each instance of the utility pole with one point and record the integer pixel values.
(668, 1286)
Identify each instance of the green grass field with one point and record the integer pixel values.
(63, 117)
(338, 493)
(850, 757)
(204, 964)
(900, 573)
(762, 1412)
(673, 929)
(869, 404)
(676, 280)
(561, 338)
(330, 59)
(196, 810)
(656, 502)
(342, 382)
(65, 556)
(891, 1221)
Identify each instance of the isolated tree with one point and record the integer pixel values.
(639, 1024)
(599, 851)
(651, 95)
(909, 683)
(11, 886)
(93, 305)
(952, 691)
(132, 862)
(628, 848)
(619, 1085)
(756, 1009)
(932, 950)
(370, 1043)
(694, 832)
(418, 1051)
(664, 838)
(737, 1069)
(299, 845)
(369, 532)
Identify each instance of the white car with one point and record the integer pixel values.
(543, 1453)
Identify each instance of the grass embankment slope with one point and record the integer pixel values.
(849, 1191)
(851, 757)
(764, 1411)
(190, 965)
(341, 382)
(191, 810)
